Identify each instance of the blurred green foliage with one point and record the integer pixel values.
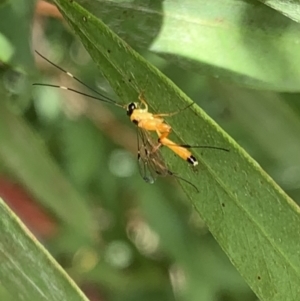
(110, 239)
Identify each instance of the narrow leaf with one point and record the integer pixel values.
(244, 41)
(253, 220)
(27, 270)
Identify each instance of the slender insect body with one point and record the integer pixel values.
(181, 151)
(149, 122)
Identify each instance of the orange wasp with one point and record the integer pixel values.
(147, 121)
(151, 163)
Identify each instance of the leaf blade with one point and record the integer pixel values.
(240, 203)
(27, 270)
(244, 41)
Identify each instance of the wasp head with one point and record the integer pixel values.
(131, 107)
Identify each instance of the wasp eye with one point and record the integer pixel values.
(130, 108)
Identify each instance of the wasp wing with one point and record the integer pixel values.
(150, 160)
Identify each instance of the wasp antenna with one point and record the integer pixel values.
(101, 98)
(74, 91)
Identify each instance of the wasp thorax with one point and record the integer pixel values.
(130, 108)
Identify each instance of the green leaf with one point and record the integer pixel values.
(242, 41)
(28, 158)
(253, 220)
(27, 270)
(289, 8)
